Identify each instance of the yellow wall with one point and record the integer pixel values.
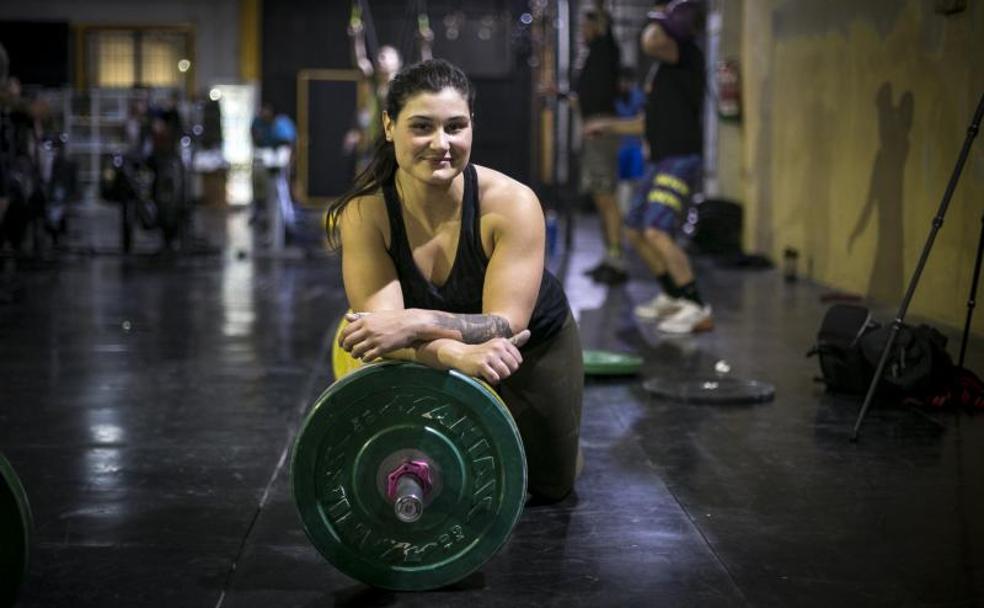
(855, 113)
(249, 40)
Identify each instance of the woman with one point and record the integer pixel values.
(446, 261)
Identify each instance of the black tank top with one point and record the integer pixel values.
(462, 292)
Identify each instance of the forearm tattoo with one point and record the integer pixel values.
(474, 329)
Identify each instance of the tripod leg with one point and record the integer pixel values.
(972, 298)
(869, 397)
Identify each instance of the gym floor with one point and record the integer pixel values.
(148, 405)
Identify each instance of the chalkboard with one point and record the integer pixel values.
(326, 110)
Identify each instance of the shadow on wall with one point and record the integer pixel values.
(885, 193)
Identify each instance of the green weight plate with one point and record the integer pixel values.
(373, 419)
(607, 363)
(15, 533)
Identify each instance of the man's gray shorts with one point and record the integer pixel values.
(599, 164)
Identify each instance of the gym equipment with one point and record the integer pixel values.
(715, 390)
(975, 125)
(16, 526)
(406, 477)
(342, 363)
(608, 363)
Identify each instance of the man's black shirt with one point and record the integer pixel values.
(597, 86)
(675, 105)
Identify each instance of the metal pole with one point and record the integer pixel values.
(972, 298)
(563, 125)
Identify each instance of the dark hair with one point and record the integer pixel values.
(432, 76)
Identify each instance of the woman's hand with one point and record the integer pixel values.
(369, 336)
(494, 360)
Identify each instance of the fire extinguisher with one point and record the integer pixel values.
(729, 90)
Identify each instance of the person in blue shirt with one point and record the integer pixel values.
(631, 157)
(269, 131)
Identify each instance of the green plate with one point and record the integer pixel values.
(15, 533)
(608, 363)
(378, 416)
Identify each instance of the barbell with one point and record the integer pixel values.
(407, 477)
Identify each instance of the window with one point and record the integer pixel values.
(123, 57)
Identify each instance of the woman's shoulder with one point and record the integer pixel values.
(496, 189)
(371, 203)
(366, 211)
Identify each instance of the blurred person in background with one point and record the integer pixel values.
(672, 125)
(596, 91)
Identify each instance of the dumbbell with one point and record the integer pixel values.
(407, 477)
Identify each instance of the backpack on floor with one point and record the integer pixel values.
(918, 365)
(918, 368)
(843, 366)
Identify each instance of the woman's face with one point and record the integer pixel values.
(388, 61)
(432, 136)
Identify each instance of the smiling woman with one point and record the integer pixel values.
(443, 262)
(435, 137)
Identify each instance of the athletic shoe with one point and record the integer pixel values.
(659, 307)
(610, 275)
(689, 318)
(596, 268)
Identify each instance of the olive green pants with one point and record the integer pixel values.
(544, 397)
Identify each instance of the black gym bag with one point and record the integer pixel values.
(850, 344)
(918, 364)
(843, 366)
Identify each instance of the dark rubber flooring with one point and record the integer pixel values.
(148, 404)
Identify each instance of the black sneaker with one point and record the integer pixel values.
(591, 272)
(610, 275)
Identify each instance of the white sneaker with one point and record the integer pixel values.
(660, 307)
(689, 318)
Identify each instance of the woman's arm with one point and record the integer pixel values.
(513, 219)
(493, 360)
(635, 125)
(368, 273)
